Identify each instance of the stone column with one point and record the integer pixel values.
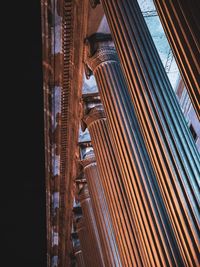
(85, 243)
(90, 223)
(142, 228)
(100, 208)
(78, 252)
(180, 20)
(170, 145)
(79, 257)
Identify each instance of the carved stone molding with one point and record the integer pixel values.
(62, 61)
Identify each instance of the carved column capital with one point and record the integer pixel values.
(77, 249)
(84, 193)
(93, 110)
(80, 224)
(99, 49)
(101, 56)
(96, 113)
(89, 159)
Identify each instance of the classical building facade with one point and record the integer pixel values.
(122, 132)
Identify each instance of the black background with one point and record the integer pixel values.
(23, 225)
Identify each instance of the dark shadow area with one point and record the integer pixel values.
(23, 222)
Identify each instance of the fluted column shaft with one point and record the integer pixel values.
(79, 257)
(85, 242)
(170, 145)
(147, 237)
(102, 216)
(115, 194)
(90, 223)
(180, 20)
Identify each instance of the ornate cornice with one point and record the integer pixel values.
(62, 61)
